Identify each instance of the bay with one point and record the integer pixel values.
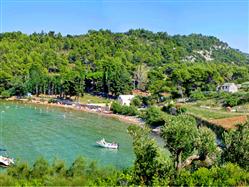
(30, 131)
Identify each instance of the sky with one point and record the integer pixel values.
(226, 19)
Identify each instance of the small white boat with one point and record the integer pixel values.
(103, 143)
(6, 161)
(157, 130)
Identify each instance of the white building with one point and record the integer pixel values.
(125, 99)
(228, 87)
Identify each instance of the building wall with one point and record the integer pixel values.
(125, 99)
(231, 88)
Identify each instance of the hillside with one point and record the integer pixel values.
(114, 62)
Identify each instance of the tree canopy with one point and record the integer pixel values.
(116, 63)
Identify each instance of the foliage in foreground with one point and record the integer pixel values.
(226, 175)
(59, 175)
(152, 164)
(237, 146)
(80, 173)
(187, 143)
(192, 160)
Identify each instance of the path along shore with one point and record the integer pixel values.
(127, 119)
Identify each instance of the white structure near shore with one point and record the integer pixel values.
(125, 99)
(228, 87)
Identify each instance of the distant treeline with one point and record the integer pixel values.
(116, 63)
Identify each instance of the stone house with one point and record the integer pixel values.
(125, 99)
(228, 87)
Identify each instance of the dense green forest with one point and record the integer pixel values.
(191, 158)
(115, 63)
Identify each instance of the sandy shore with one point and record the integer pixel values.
(126, 119)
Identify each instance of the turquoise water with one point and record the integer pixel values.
(29, 131)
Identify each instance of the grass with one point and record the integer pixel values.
(87, 98)
(209, 113)
(216, 111)
(243, 108)
(209, 102)
(230, 123)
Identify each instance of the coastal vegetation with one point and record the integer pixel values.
(99, 66)
(193, 159)
(115, 63)
(117, 108)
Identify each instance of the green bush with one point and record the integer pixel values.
(149, 100)
(129, 110)
(166, 108)
(237, 146)
(6, 180)
(52, 100)
(117, 108)
(174, 109)
(5, 94)
(236, 99)
(40, 168)
(197, 95)
(181, 110)
(136, 101)
(227, 175)
(232, 101)
(77, 168)
(211, 94)
(80, 173)
(154, 117)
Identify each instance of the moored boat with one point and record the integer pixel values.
(157, 130)
(6, 161)
(103, 143)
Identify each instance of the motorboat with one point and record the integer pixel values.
(157, 130)
(6, 161)
(103, 143)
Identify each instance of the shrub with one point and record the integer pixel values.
(237, 146)
(231, 101)
(211, 94)
(77, 168)
(227, 175)
(166, 108)
(52, 100)
(129, 110)
(40, 168)
(59, 168)
(136, 101)
(245, 98)
(181, 110)
(6, 180)
(150, 100)
(154, 116)
(236, 99)
(174, 109)
(5, 94)
(116, 108)
(197, 95)
(124, 110)
(20, 171)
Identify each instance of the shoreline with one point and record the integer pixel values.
(126, 119)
